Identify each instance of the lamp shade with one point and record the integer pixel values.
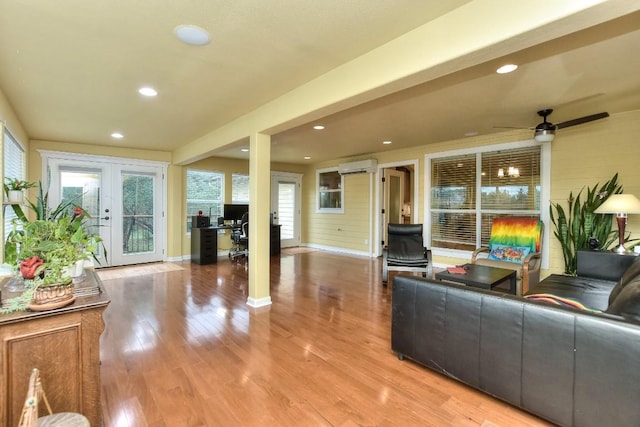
(544, 135)
(620, 203)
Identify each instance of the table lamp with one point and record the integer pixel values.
(621, 205)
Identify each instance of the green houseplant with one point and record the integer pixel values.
(50, 246)
(14, 189)
(576, 227)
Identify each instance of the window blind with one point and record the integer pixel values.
(508, 182)
(13, 168)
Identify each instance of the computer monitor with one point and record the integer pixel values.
(234, 212)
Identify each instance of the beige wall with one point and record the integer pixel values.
(580, 156)
(228, 167)
(9, 120)
(590, 154)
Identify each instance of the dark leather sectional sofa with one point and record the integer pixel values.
(569, 366)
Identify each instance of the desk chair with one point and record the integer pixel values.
(29, 416)
(240, 238)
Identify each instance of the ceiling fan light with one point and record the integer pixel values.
(544, 135)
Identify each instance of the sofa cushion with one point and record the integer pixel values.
(630, 273)
(627, 303)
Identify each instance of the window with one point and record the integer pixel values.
(13, 168)
(469, 190)
(205, 192)
(240, 188)
(330, 196)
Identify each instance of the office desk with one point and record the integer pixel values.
(204, 242)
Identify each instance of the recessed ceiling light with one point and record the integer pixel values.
(471, 133)
(147, 91)
(245, 150)
(307, 157)
(192, 34)
(117, 135)
(318, 127)
(507, 68)
(387, 142)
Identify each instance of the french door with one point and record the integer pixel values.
(125, 201)
(285, 206)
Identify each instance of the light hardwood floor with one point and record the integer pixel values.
(182, 348)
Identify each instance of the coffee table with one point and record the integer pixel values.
(481, 276)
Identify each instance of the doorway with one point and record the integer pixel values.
(397, 200)
(126, 202)
(285, 206)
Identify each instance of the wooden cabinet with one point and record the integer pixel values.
(64, 344)
(274, 243)
(204, 245)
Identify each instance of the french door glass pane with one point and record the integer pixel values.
(82, 188)
(137, 213)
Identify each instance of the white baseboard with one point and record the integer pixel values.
(258, 302)
(339, 250)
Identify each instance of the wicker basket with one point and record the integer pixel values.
(52, 296)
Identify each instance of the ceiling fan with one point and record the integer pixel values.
(545, 131)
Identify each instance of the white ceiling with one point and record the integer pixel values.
(71, 71)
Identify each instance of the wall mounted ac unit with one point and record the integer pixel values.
(361, 166)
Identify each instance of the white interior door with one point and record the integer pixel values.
(285, 206)
(393, 190)
(126, 203)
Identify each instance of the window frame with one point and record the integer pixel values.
(320, 191)
(545, 186)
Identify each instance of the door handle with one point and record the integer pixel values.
(105, 218)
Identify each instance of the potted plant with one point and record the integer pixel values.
(14, 189)
(47, 249)
(579, 227)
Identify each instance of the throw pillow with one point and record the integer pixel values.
(632, 271)
(515, 254)
(627, 303)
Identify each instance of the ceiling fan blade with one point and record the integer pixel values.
(582, 120)
(512, 127)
